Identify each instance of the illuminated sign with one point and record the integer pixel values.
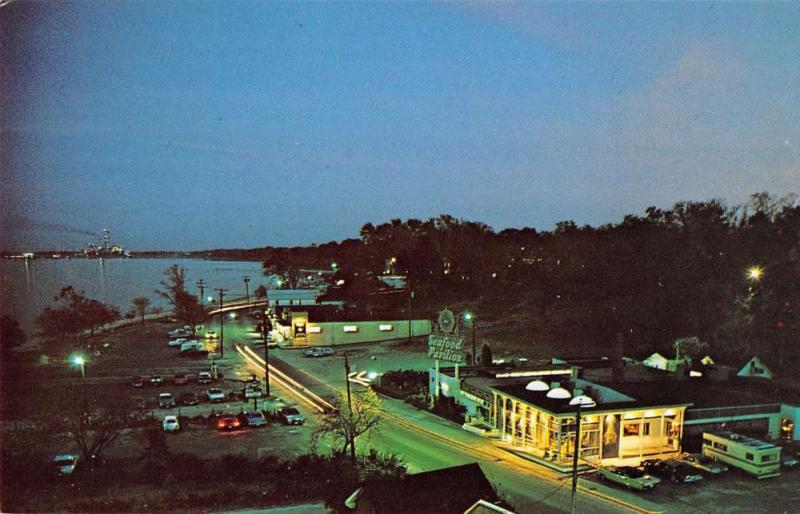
(299, 329)
(446, 348)
(385, 328)
(314, 330)
(350, 328)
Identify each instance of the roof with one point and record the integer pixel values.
(448, 490)
(641, 399)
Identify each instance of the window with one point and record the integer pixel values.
(350, 328)
(629, 429)
(706, 442)
(314, 330)
(385, 328)
(748, 456)
(720, 446)
(767, 458)
(646, 429)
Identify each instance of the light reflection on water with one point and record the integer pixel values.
(27, 287)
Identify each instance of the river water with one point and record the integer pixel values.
(29, 286)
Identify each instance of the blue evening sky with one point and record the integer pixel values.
(189, 125)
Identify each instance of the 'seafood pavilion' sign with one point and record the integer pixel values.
(446, 348)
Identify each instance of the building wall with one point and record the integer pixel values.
(340, 332)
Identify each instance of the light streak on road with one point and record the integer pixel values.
(287, 382)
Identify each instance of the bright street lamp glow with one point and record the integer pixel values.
(755, 272)
(467, 316)
(78, 360)
(210, 299)
(372, 375)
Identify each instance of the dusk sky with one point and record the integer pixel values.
(191, 125)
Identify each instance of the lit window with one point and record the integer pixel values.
(350, 328)
(314, 330)
(385, 328)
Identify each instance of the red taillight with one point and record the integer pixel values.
(236, 423)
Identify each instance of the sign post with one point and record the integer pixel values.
(445, 345)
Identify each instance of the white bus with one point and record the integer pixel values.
(757, 458)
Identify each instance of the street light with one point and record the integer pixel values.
(754, 273)
(246, 280)
(578, 402)
(78, 360)
(469, 318)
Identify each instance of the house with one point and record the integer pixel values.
(755, 367)
(450, 490)
(658, 361)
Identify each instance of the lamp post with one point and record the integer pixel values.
(578, 402)
(410, 297)
(221, 292)
(470, 318)
(266, 354)
(246, 280)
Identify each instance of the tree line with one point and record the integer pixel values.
(643, 282)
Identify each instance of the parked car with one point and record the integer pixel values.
(192, 346)
(788, 459)
(156, 380)
(211, 334)
(630, 477)
(318, 352)
(291, 416)
(673, 470)
(228, 422)
(179, 332)
(255, 419)
(189, 399)
(204, 377)
(177, 342)
(703, 463)
(252, 392)
(180, 379)
(166, 400)
(215, 395)
(137, 381)
(171, 424)
(65, 463)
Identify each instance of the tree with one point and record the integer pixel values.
(93, 423)
(690, 347)
(140, 304)
(260, 292)
(345, 423)
(486, 355)
(186, 308)
(11, 335)
(75, 314)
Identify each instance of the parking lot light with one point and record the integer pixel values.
(79, 360)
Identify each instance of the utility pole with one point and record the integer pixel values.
(201, 284)
(264, 326)
(350, 409)
(246, 280)
(410, 297)
(221, 292)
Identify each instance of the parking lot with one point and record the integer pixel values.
(731, 491)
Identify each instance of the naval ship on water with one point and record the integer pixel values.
(105, 249)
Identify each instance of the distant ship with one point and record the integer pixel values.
(105, 248)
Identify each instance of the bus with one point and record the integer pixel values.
(757, 458)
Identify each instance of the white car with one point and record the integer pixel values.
(215, 395)
(65, 463)
(171, 424)
(177, 342)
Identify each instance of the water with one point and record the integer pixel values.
(30, 286)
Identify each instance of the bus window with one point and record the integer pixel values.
(749, 456)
